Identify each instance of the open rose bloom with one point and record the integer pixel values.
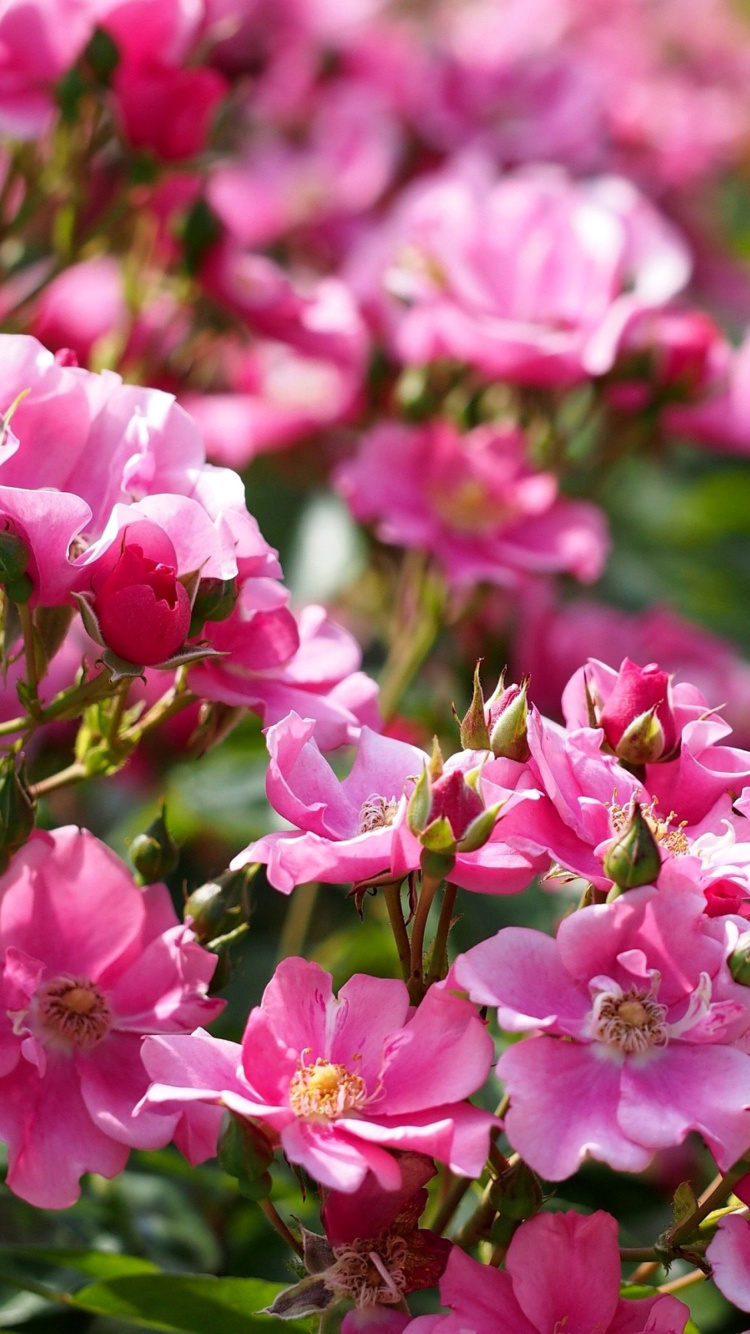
(434, 941)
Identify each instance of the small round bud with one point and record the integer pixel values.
(246, 1153)
(214, 601)
(517, 1193)
(739, 960)
(634, 858)
(154, 852)
(14, 557)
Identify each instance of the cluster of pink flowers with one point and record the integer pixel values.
(464, 254)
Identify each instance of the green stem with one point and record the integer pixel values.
(460, 1185)
(73, 774)
(392, 896)
(441, 935)
(29, 648)
(720, 1188)
(297, 920)
(278, 1223)
(426, 896)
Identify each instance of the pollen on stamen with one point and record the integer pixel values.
(73, 1011)
(631, 1020)
(326, 1090)
(668, 834)
(377, 813)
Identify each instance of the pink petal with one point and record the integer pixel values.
(565, 1270)
(564, 1104)
(444, 1054)
(729, 1253)
(519, 971)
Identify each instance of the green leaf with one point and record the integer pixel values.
(186, 1303)
(137, 1292)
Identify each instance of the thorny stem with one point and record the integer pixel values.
(426, 896)
(721, 1187)
(392, 896)
(441, 935)
(278, 1223)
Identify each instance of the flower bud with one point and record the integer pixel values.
(456, 802)
(214, 601)
(142, 609)
(17, 809)
(154, 853)
(246, 1153)
(634, 858)
(14, 557)
(517, 1193)
(637, 718)
(448, 816)
(739, 960)
(507, 714)
(216, 908)
(474, 732)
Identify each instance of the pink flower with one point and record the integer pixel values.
(729, 1255)
(687, 781)
(722, 419)
(39, 41)
(633, 1003)
(91, 963)
(473, 502)
(342, 1081)
(168, 110)
(638, 719)
(277, 662)
(534, 278)
(552, 641)
(142, 609)
(344, 829)
(561, 1271)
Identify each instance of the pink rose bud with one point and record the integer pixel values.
(454, 800)
(142, 608)
(637, 718)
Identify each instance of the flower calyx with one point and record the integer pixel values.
(633, 858)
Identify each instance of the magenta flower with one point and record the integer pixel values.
(729, 1255)
(562, 1271)
(342, 1081)
(344, 829)
(533, 277)
(142, 609)
(639, 1032)
(91, 963)
(692, 770)
(473, 502)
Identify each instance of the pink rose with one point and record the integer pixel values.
(91, 962)
(142, 609)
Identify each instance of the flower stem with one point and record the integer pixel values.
(441, 935)
(278, 1223)
(426, 896)
(297, 920)
(392, 896)
(73, 774)
(714, 1195)
(460, 1185)
(29, 648)
(686, 1281)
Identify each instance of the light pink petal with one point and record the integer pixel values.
(194, 1067)
(564, 1103)
(457, 1134)
(51, 1137)
(688, 1088)
(519, 971)
(337, 1160)
(301, 785)
(444, 1054)
(729, 1254)
(662, 1315)
(113, 1081)
(76, 933)
(565, 1270)
(299, 1004)
(368, 1010)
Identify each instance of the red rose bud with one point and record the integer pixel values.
(454, 800)
(637, 718)
(142, 608)
(726, 895)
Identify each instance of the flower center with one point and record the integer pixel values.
(73, 1010)
(377, 813)
(370, 1277)
(324, 1091)
(669, 835)
(631, 1020)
